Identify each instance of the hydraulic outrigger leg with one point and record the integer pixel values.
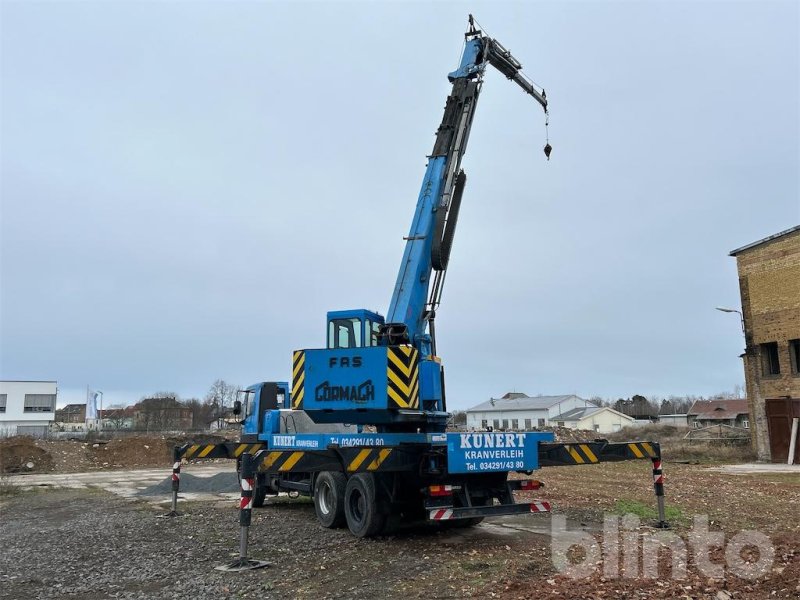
(245, 515)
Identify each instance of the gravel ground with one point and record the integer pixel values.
(89, 544)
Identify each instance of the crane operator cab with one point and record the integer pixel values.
(353, 328)
(360, 379)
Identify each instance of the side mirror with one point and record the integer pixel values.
(237, 407)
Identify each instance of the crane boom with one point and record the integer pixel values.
(385, 371)
(420, 279)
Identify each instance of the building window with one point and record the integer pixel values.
(3, 399)
(746, 423)
(560, 423)
(597, 427)
(484, 423)
(770, 365)
(528, 425)
(514, 424)
(697, 424)
(40, 403)
(505, 423)
(541, 422)
(794, 354)
(496, 424)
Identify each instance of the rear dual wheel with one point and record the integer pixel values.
(364, 511)
(329, 490)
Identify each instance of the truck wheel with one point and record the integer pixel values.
(462, 523)
(362, 508)
(329, 498)
(260, 493)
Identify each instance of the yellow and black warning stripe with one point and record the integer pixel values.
(581, 453)
(298, 378)
(280, 460)
(228, 450)
(402, 372)
(246, 449)
(585, 453)
(201, 450)
(368, 459)
(642, 450)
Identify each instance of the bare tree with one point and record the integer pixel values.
(221, 395)
(115, 416)
(203, 412)
(459, 417)
(160, 412)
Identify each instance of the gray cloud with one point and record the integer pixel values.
(187, 188)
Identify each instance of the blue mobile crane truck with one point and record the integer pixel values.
(363, 427)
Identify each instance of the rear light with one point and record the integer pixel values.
(440, 490)
(530, 484)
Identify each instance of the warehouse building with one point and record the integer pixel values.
(27, 407)
(769, 282)
(518, 412)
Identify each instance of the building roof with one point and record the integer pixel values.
(765, 240)
(114, 413)
(576, 414)
(73, 409)
(523, 403)
(723, 410)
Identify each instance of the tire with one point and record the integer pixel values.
(362, 508)
(260, 489)
(462, 523)
(329, 489)
(260, 493)
(469, 521)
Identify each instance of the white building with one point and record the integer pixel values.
(601, 419)
(27, 407)
(520, 412)
(679, 420)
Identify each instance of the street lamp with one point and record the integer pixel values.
(733, 310)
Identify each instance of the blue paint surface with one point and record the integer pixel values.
(482, 452)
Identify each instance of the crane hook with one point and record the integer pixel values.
(547, 147)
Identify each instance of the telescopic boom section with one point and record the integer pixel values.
(414, 302)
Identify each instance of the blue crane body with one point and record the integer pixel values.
(363, 426)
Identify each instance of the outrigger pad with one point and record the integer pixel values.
(168, 515)
(246, 564)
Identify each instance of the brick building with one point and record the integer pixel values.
(71, 413)
(769, 282)
(162, 414)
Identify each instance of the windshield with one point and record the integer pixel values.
(344, 333)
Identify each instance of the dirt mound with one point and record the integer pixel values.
(21, 455)
(136, 451)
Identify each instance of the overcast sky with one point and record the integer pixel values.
(187, 188)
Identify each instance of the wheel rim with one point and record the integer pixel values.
(325, 498)
(358, 505)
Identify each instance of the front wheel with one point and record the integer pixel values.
(329, 489)
(260, 492)
(362, 508)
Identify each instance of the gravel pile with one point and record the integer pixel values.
(219, 483)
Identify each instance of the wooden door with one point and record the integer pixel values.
(779, 422)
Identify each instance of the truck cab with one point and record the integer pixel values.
(260, 406)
